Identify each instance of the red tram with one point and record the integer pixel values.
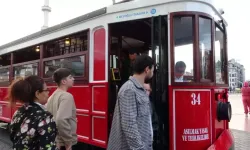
(194, 114)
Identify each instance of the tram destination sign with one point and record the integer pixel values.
(137, 13)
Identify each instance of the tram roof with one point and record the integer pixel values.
(56, 27)
(97, 13)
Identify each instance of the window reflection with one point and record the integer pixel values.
(75, 64)
(25, 70)
(205, 47)
(4, 74)
(219, 57)
(183, 50)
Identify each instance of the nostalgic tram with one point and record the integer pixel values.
(191, 103)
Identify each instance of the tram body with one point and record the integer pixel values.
(193, 114)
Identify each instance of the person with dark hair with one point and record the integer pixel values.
(155, 123)
(32, 127)
(127, 65)
(180, 68)
(62, 105)
(131, 125)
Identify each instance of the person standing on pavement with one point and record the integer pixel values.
(245, 90)
(62, 105)
(32, 127)
(131, 125)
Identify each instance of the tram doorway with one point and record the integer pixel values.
(126, 41)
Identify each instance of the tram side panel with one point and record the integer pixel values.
(5, 110)
(90, 101)
(191, 118)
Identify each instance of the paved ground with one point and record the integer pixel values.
(5, 143)
(240, 126)
(242, 139)
(239, 121)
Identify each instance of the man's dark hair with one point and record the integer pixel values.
(61, 74)
(142, 62)
(180, 64)
(131, 51)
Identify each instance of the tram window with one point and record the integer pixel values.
(76, 64)
(183, 50)
(219, 56)
(205, 48)
(25, 70)
(4, 74)
(5, 60)
(157, 59)
(27, 54)
(67, 45)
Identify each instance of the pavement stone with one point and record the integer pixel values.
(5, 143)
(242, 139)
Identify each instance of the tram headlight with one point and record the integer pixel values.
(224, 111)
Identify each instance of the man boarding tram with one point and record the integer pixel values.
(132, 126)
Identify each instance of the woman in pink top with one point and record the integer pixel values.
(245, 90)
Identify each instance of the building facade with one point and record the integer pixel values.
(236, 74)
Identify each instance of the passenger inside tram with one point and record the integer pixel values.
(180, 68)
(127, 64)
(50, 71)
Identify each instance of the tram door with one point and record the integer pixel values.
(115, 77)
(148, 36)
(159, 52)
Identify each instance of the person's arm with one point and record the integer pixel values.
(128, 108)
(64, 113)
(47, 133)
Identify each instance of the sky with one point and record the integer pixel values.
(23, 17)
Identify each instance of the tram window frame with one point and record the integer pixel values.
(211, 66)
(34, 48)
(223, 54)
(25, 63)
(172, 46)
(79, 79)
(62, 41)
(9, 78)
(4, 60)
(196, 66)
